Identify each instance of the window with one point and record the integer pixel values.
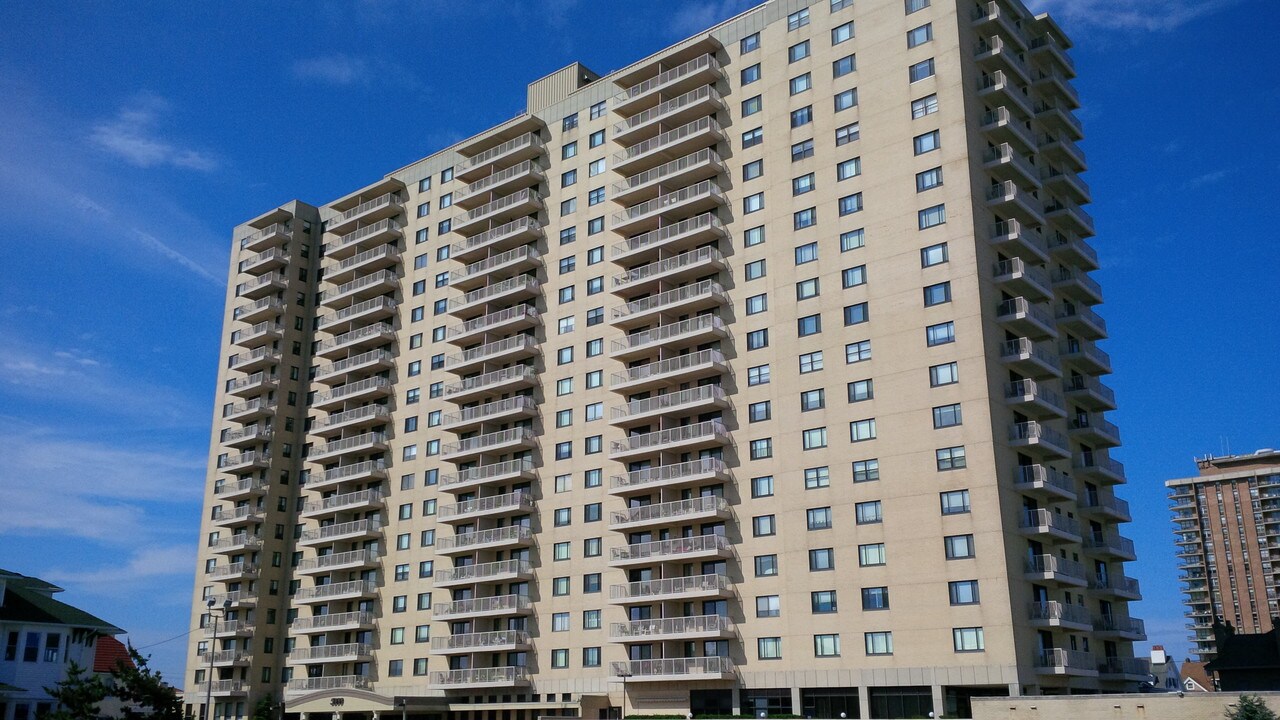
(424, 209)
(560, 551)
(565, 325)
(921, 70)
(564, 450)
(806, 289)
(811, 362)
(595, 168)
(808, 325)
(850, 204)
(846, 134)
(826, 645)
(596, 139)
(752, 138)
(568, 178)
(844, 66)
(849, 168)
(590, 657)
(768, 606)
(800, 83)
(944, 374)
(395, 668)
(755, 269)
(751, 106)
(814, 438)
(817, 477)
(753, 236)
(868, 513)
(801, 150)
(818, 518)
(963, 592)
(563, 517)
(802, 184)
(568, 235)
(749, 43)
(758, 375)
(591, 583)
(926, 105)
(879, 643)
(875, 598)
(916, 5)
(595, 411)
(757, 339)
(750, 74)
(762, 486)
(763, 525)
(595, 316)
(958, 547)
(590, 619)
(933, 216)
(564, 386)
(595, 379)
(757, 303)
(769, 648)
(940, 334)
(852, 240)
(595, 226)
(759, 412)
(855, 314)
(968, 639)
(822, 601)
(799, 51)
(927, 142)
(569, 150)
(854, 276)
(753, 203)
(811, 400)
(766, 565)
(860, 390)
(595, 285)
(564, 418)
(919, 36)
(937, 294)
(560, 622)
(859, 351)
(595, 254)
(569, 122)
(934, 255)
(947, 416)
(866, 470)
(798, 19)
(560, 658)
(560, 586)
(860, 430)
(801, 116)
(954, 502)
(806, 253)
(564, 356)
(928, 179)
(568, 206)
(837, 5)
(841, 33)
(598, 110)
(762, 448)
(951, 458)
(822, 559)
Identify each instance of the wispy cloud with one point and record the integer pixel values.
(702, 14)
(118, 579)
(1129, 15)
(1208, 178)
(134, 135)
(342, 70)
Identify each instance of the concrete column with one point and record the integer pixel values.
(864, 702)
(939, 703)
(797, 703)
(1014, 689)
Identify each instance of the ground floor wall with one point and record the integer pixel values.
(1164, 706)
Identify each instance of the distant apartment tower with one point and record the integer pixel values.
(760, 375)
(1226, 521)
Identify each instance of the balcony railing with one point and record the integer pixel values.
(513, 501)
(497, 676)
(322, 622)
(329, 682)
(1054, 611)
(706, 156)
(1057, 566)
(1047, 519)
(1058, 658)
(379, 330)
(497, 408)
(671, 401)
(462, 541)
(693, 258)
(475, 269)
(520, 283)
(648, 589)
(669, 437)
(385, 304)
(668, 138)
(475, 606)
(527, 140)
(320, 653)
(345, 500)
(705, 93)
(354, 470)
(320, 592)
(388, 225)
(518, 226)
(342, 559)
(360, 283)
(363, 441)
(515, 343)
(669, 366)
(670, 550)
(483, 572)
(652, 207)
(239, 540)
(482, 473)
(663, 474)
(368, 525)
(368, 412)
(1031, 476)
(380, 356)
(480, 324)
(663, 668)
(277, 230)
(1109, 543)
(1038, 392)
(1037, 433)
(658, 628)
(1133, 667)
(481, 641)
(350, 389)
(698, 64)
(481, 443)
(238, 569)
(366, 207)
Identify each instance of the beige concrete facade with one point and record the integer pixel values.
(1164, 706)
(1226, 520)
(757, 376)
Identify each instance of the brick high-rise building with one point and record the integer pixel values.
(760, 375)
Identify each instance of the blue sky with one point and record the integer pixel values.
(134, 137)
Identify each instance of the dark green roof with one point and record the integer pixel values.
(27, 600)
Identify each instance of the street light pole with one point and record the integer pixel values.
(403, 705)
(208, 688)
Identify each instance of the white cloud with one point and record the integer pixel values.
(701, 14)
(1208, 178)
(1128, 15)
(143, 569)
(133, 136)
(344, 70)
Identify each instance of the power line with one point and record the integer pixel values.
(162, 642)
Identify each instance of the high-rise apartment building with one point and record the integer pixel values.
(760, 375)
(1227, 524)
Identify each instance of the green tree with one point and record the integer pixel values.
(264, 709)
(1250, 707)
(145, 694)
(77, 696)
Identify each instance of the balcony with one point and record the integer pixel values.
(1057, 116)
(674, 270)
(259, 310)
(328, 682)
(685, 549)
(524, 147)
(1120, 628)
(1018, 278)
(1069, 182)
(500, 352)
(1054, 614)
(672, 144)
(226, 658)
(1006, 198)
(507, 320)
(1037, 436)
(671, 238)
(367, 389)
(1117, 669)
(248, 411)
(264, 261)
(490, 677)
(1073, 250)
(340, 532)
(1093, 429)
(246, 436)
(1110, 546)
(676, 370)
(364, 443)
(1029, 358)
(262, 286)
(695, 627)
(1022, 317)
(337, 622)
(468, 418)
(669, 207)
(255, 384)
(336, 372)
(668, 513)
(1005, 163)
(497, 239)
(244, 461)
(689, 299)
(331, 592)
(370, 211)
(380, 257)
(496, 641)
(372, 235)
(1069, 216)
(230, 628)
(359, 339)
(521, 175)
(1111, 508)
(1001, 124)
(502, 538)
(996, 88)
(360, 417)
(1044, 482)
(686, 438)
(362, 288)
(223, 688)
(1058, 85)
(674, 589)
(238, 489)
(266, 237)
(484, 573)
(1059, 147)
(356, 472)
(677, 111)
(1077, 285)
(1047, 526)
(1117, 586)
(237, 543)
(702, 70)
(500, 211)
(679, 402)
(1082, 321)
(1052, 47)
(494, 443)
(1057, 661)
(504, 264)
(481, 475)
(1086, 356)
(992, 16)
(1034, 399)
(360, 500)
(344, 652)
(701, 165)
(498, 605)
(335, 562)
(508, 291)
(1051, 568)
(517, 502)
(994, 52)
(1014, 238)
(677, 475)
(694, 669)
(264, 333)
(695, 330)
(234, 572)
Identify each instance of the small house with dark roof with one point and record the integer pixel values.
(1246, 662)
(40, 638)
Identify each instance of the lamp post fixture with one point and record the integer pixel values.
(215, 613)
(403, 704)
(624, 673)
